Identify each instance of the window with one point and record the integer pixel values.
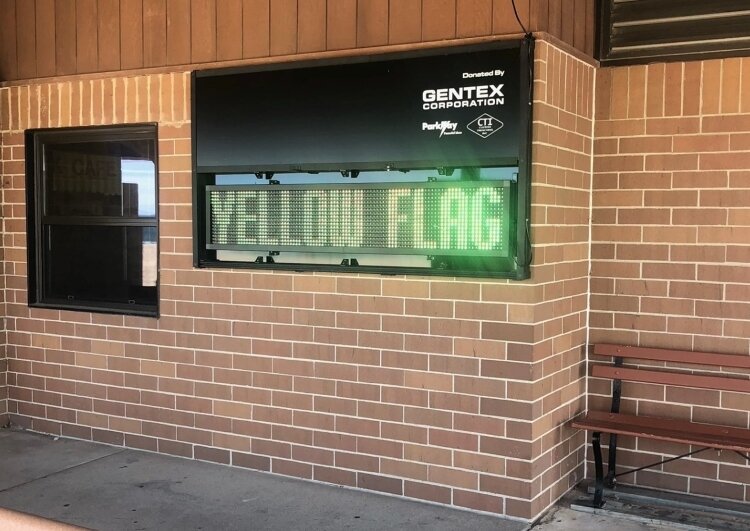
(92, 219)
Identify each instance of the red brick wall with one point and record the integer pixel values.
(454, 391)
(3, 388)
(3, 339)
(563, 128)
(671, 244)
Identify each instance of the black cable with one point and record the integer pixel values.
(662, 462)
(529, 246)
(515, 11)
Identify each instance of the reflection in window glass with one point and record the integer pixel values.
(120, 266)
(138, 178)
(396, 176)
(114, 179)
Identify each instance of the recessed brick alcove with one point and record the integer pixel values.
(455, 391)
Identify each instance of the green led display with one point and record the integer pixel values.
(450, 218)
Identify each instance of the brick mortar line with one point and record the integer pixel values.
(579, 136)
(693, 333)
(282, 340)
(4, 345)
(662, 262)
(264, 356)
(668, 315)
(294, 323)
(345, 312)
(695, 458)
(301, 428)
(661, 456)
(303, 445)
(212, 381)
(553, 467)
(292, 391)
(213, 400)
(280, 408)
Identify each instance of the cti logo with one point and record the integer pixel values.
(485, 125)
(484, 121)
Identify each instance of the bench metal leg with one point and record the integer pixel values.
(599, 488)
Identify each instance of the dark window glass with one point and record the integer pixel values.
(121, 266)
(100, 179)
(93, 219)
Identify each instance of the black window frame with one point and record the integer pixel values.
(35, 142)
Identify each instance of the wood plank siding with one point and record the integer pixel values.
(45, 38)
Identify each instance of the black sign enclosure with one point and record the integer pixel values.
(408, 163)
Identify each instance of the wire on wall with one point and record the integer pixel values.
(515, 12)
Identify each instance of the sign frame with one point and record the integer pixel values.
(516, 267)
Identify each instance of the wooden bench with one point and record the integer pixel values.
(707, 436)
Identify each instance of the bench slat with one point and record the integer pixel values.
(671, 378)
(677, 356)
(679, 431)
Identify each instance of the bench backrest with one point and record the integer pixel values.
(680, 379)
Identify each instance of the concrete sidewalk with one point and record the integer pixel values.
(105, 487)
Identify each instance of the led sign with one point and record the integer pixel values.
(449, 218)
(416, 162)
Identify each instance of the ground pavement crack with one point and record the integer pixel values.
(56, 472)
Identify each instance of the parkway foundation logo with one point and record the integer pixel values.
(485, 125)
(445, 127)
